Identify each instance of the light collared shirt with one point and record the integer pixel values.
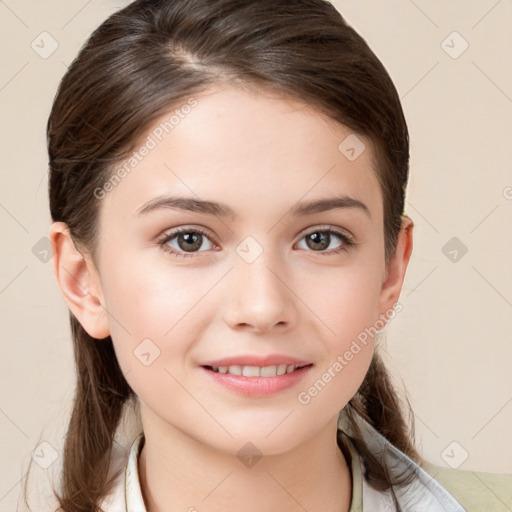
(424, 494)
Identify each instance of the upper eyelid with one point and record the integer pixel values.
(328, 227)
(186, 229)
(317, 227)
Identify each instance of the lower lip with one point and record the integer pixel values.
(257, 387)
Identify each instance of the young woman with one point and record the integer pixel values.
(227, 185)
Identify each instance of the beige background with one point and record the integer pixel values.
(450, 346)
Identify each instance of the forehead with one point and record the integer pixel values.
(247, 148)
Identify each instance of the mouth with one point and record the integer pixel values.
(257, 375)
(257, 371)
(257, 381)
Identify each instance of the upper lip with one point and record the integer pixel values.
(261, 361)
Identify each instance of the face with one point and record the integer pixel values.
(261, 275)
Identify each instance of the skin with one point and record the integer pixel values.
(259, 154)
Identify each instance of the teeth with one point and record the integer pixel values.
(281, 369)
(256, 371)
(250, 371)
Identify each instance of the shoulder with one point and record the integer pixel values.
(475, 491)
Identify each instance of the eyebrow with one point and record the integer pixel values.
(222, 210)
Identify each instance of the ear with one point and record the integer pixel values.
(396, 267)
(79, 282)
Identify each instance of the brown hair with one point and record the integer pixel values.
(139, 64)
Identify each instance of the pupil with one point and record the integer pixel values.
(191, 239)
(319, 240)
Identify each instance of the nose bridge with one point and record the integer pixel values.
(259, 298)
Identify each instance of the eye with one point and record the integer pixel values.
(184, 242)
(320, 239)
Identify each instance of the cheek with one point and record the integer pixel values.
(346, 302)
(346, 309)
(349, 309)
(151, 299)
(152, 303)
(153, 328)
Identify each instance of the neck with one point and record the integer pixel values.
(177, 473)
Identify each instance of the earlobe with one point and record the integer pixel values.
(395, 272)
(78, 282)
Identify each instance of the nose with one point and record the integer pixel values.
(260, 299)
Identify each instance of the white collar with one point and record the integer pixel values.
(424, 494)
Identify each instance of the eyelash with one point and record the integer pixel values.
(347, 242)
